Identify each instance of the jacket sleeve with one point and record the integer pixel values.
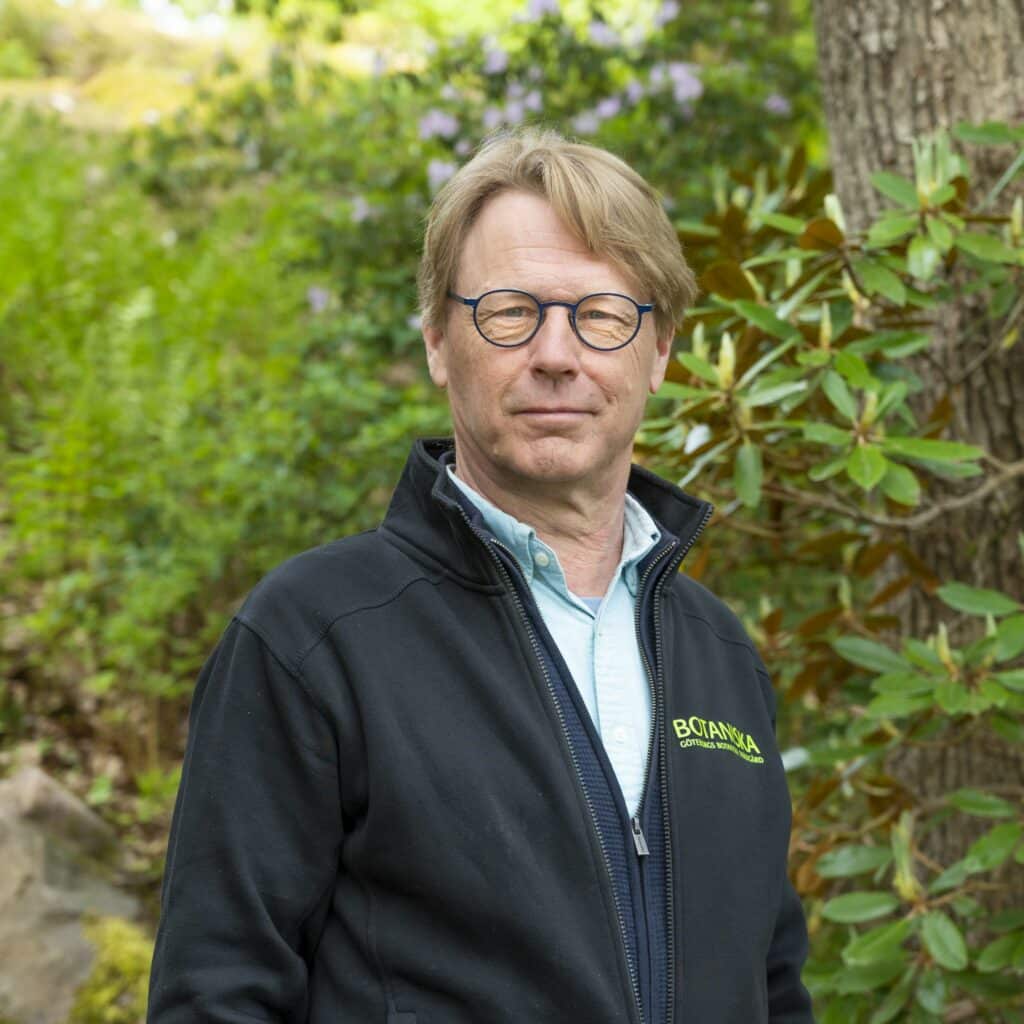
(253, 848)
(789, 1002)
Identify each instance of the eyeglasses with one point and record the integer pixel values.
(508, 317)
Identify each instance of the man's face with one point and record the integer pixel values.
(553, 410)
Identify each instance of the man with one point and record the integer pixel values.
(497, 761)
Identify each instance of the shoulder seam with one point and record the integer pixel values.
(297, 675)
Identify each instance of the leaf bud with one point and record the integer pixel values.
(698, 342)
(943, 651)
(825, 327)
(792, 272)
(834, 211)
(1017, 220)
(867, 416)
(726, 361)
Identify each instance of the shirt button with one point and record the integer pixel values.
(542, 559)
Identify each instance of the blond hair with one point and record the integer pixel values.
(599, 197)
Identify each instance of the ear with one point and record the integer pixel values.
(663, 349)
(437, 354)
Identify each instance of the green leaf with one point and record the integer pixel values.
(997, 954)
(891, 228)
(944, 941)
(846, 861)
(922, 258)
(984, 805)
(878, 279)
(897, 705)
(868, 978)
(866, 465)
(903, 682)
(671, 389)
(986, 247)
(930, 995)
(839, 394)
(869, 654)
(763, 317)
(894, 1002)
(940, 233)
(1010, 634)
(790, 225)
(991, 133)
(977, 600)
(824, 470)
(825, 433)
(900, 484)
(1012, 679)
(699, 367)
(769, 395)
(951, 877)
(880, 943)
(854, 369)
(896, 188)
(1007, 920)
(994, 847)
(932, 450)
(748, 473)
(854, 907)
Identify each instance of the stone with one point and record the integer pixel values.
(57, 858)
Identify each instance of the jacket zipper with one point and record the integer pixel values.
(572, 753)
(638, 837)
(659, 692)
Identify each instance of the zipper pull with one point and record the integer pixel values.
(638, 838)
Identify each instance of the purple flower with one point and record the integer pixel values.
(360, 210)
(449, 92)
(667, 12)
(586, 123)
(317, 296)
(514, 90)
(778, 104)
(533, 100)
(686, 85)
(493, 116)
(515, 111)
(536, 9)
(635, 91)
(437, 122)
(415, 321)
(462, 147)
(608, 107)
(495, 60)
(602, 34)
(438, 172)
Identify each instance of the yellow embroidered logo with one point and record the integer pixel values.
(716, 735)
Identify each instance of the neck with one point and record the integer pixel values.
(581, 521)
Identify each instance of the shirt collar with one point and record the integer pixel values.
(640, 534)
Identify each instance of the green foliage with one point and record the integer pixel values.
(116, 989)
(820, 319)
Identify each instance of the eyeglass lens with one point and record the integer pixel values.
(509, 318)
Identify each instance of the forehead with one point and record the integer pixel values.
(518, 241)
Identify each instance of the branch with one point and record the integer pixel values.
(1008, 471)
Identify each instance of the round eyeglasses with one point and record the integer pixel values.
(508, 317)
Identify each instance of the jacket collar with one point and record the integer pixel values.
(427, 513)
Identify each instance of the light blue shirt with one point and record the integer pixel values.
(596, 636)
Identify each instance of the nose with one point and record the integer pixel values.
(554, 349)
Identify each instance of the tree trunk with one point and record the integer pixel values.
(892, 70)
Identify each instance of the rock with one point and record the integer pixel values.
(56, 856)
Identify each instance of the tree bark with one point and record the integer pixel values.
(893, 70)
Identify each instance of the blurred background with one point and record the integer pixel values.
(210, 217)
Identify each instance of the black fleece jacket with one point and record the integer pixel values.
(385, 815)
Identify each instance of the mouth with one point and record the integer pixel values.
(559, 411)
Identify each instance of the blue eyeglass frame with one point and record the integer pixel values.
(571, 306)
